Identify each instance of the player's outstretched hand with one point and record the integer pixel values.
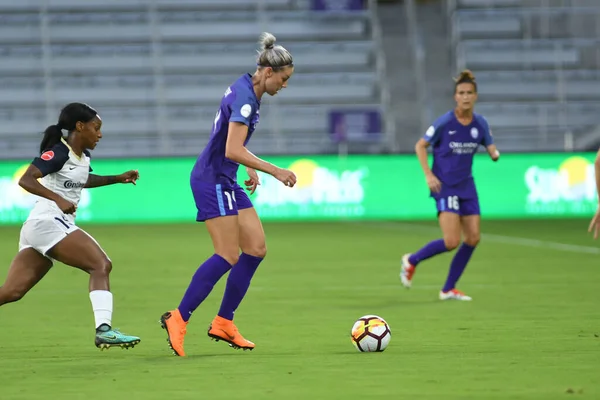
(66, 206)
(129, 176)
(595, 224)
(287, 177)
(434, 183)
(253, 180)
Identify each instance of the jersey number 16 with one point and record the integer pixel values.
(453, 203)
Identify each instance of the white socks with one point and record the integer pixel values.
(102, 304)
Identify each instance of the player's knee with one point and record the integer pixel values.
(102, 267)
(451, 243)
(257, 250)
(472, 240)
(106, 267)
(261, 251)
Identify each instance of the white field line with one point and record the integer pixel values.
(514, 240)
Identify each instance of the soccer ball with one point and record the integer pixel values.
(371, 333)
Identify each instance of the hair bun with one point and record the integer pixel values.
(465, 75)
(267, 40)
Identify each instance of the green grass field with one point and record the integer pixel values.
(532, 331)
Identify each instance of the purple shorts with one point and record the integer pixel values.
(218, 200)
(457, 205)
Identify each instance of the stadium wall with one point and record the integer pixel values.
(362, 187)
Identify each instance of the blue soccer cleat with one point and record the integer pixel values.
(106, 337)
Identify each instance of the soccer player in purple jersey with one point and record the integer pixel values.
(455, 138)
(222, 204)
(595, 224)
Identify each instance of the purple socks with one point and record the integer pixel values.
(457, 266)
(238, 283)
(203, 281)
(429, 250)
(209, 273)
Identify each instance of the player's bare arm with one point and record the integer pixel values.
(236, 151)
(432, 181)
(29, 181)
(493, 152)
(97, 180)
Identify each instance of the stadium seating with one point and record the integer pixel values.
(536, 64)
(156, 72)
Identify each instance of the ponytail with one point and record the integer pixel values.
(67, 120)
(52, 136)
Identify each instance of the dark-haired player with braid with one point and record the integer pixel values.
(455, 138)
(57, 177)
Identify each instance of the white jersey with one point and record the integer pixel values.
(64, 173)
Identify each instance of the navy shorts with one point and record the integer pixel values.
(218, 200)
(457, 205)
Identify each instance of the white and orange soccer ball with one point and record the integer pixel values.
(371, 333)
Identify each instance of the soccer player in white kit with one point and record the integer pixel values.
(50, 233)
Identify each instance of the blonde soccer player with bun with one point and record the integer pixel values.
(226, 210)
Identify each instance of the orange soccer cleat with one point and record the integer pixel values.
(225, 330)
(176, 329)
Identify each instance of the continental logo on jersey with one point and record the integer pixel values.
(47, 156)
(73, 185)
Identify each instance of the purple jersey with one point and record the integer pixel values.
(239, 104)
(454, 146)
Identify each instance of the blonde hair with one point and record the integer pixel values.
(276, 57)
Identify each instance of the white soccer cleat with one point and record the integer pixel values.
(406, 272)
(454, 295)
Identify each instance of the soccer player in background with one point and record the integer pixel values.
(222, 204)
(455, 137)
(595, 224)
(49, 233)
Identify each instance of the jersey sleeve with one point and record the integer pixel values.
(486, 138)
(51, 160)
(87, 153)
(434, 132)
(242, 110)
